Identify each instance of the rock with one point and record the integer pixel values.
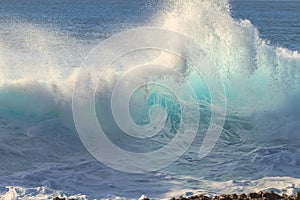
(285, 196)
(203, 197)
(234, 196)
(275, 196)
(57, 198)
(253, 195)
(225, 197)
(298, 195)
(272, 196)
(242, 196)
(143, 197)
(181, 198)
(260, 193)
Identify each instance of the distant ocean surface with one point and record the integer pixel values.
(255, 45)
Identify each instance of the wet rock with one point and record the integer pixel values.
(205, 197)
(285, 196)
(272, 196)
(182, 198)
(143, 197)
(250, 196)
(298, 195)
(57, 198)
(253, 195)
(242, 196)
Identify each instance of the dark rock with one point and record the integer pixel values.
(266, 194)
(285, 196)
(143, 197)
(57, 198)
(225, 197)
(298, 195)
(182, 198)
(203, 197)
(253, 195)
(242, 196)
(275, 196)
(234, 196)
(272, 196)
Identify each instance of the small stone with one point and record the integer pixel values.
(182, 198)
(285, 196)
(260, 194)
(225, 197)
(275, 196)
(203, 197)
(298, 195)
(267, 195)
(242, 196)
(234, 196)
(253, 195)
(143, 197)
(272, 196)
(57, 198)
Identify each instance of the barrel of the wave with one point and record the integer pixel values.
(172, 102)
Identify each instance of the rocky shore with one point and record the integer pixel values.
(250, 196)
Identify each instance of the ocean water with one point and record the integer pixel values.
(253, 44)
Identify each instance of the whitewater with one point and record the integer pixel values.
(42, 156)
